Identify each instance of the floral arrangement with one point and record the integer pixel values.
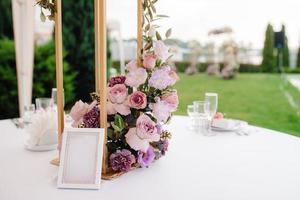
(138, 104)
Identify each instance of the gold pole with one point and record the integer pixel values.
(100, 61)
(59, 70)
(139, 30)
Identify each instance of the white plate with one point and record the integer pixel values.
(227, 125)
(41, 147)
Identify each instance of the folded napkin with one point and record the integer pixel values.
(226, 124)
(42, 130)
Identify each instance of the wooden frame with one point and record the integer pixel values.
(81, 161)
(100, 69)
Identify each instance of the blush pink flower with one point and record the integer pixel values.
(118, 93)
(162, 78)
(161, 110)
(146, 129)
(131, 65)
(135, 142)
(113, 108)
(172, 99)
(149, 61)
(137, 100)
(136, 77)
(161, 50)
(79, 110)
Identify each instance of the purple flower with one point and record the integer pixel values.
(163, 145)
(116, 80)
(121, 160)
(145, 159)
(91, 119)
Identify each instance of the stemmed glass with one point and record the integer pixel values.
(212, 99)
(192, 114)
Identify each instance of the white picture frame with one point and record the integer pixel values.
(81, 158)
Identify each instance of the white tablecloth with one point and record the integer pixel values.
(262, 166)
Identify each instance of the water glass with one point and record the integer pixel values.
(212, 99)
(201, 108)
(44, 104)
(28, 113)
(192, 114)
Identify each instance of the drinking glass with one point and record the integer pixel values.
(212, 99)
(192, 114)
(44, 104)
(201, 108)
(54, 96)
(28, 113)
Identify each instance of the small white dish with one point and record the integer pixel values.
(41, 147)
(227, 125)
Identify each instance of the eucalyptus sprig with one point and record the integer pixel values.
(149, 27)
(47, 5)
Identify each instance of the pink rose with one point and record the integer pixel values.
(149, 61)
(131, 65)
(161, 110)
(136, 77)
(172, 99)
(161, 50)
(79, 110)
(137, 100)
(146, 129)
(135, 142)
(110, 108)
(118, 93)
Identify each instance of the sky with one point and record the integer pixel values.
(192, 19)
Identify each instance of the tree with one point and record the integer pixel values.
(78, 39)
(269, 61)
(298, 58)
(285, 50)
(44, 74)
(6, 24)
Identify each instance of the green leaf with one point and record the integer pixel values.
(118, 124)
(166, 16)
(158, 37)
(168, 33)
(42, 16)
(110, 133)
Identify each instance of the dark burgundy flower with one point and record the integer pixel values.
(122, 160)
(116, 80)
(91, 119)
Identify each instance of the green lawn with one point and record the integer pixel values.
(256, 98)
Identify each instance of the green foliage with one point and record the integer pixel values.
(285, 50)
(8, 81)
(78, 39)
(298, 58)
(44, 78)
(269, 61)
(6, 24)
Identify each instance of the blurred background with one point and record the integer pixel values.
(246, 51)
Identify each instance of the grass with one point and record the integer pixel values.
(255, 98)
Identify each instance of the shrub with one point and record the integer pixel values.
(43, 77)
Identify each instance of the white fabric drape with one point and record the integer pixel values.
(23, 22)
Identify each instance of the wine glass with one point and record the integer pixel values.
(43, 104)
(201, 108)
(192, 114)
(212, 99)
(28, 113)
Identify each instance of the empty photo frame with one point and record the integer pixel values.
(81, 158)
